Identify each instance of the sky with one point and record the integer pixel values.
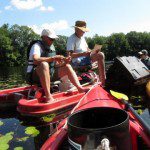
(103, 17)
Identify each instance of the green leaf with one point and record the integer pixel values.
(5, 139)
(32, 131)
(18, 148)
(49, 118)
(23, 139)
(139, 111)
(1, 123)
(4, 146)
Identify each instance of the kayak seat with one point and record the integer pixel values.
(38, 92)
(17, 97)
(11, 96)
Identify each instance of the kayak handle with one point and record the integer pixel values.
(137, 116)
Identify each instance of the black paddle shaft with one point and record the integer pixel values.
(137, 116)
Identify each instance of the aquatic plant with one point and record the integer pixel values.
(18, 148)
(32, 131)
(5, 139)
(1, 123)
(49, 118)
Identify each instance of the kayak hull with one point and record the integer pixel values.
(10, 97)
(97, 97)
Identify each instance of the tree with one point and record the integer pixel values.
(5, 47)
(117, 46)
(60, 45)
(21, 37)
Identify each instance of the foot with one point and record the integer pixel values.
(103, 83)
(102, 79)
(48, 100)
(82, 90)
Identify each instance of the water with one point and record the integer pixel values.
(12, 125)
(12, 77)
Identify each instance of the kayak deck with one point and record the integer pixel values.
(63, 103)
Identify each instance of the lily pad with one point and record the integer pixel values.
(1, 123)
(4, 146)
(32, 131)
(139, 111)
(49, 118)
(18, 148)
(23, 139)
(5, 139)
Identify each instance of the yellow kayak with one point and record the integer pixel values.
(148, 88)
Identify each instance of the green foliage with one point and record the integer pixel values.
(60, 45)
(117, 45)
(4, 140)
(14, 41)
(1, 123)
(138, 41)
(23, 139)
(21, 37)
(18, 148)
(49, 118)
(139, 111)
(32, 131)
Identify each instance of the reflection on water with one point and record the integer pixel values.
(12, 77)
(11, 122)
(16, 124)
(15, 76)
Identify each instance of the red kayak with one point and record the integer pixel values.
(61, 107)
(29, 102)
(100, 121)
(10, 97)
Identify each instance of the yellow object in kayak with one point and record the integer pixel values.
(148, 88)
(119, 95)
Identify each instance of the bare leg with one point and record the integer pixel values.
(99, 57)
(68, 70)
(44, 75)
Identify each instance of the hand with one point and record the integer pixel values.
(59, 58)
(68, 59)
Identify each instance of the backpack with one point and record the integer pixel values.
(31, 44)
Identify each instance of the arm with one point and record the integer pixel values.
(37, 59)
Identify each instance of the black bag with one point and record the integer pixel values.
(126, 72)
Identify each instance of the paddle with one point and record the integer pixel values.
(124, 100)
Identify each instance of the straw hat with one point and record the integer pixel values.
(81, 25)
(49, 33)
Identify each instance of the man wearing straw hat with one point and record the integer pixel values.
(78, 49)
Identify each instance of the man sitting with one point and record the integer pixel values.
(81, 54)
(41, 58)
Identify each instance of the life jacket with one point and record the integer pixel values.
(47, 52)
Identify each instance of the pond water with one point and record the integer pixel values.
(19, 132)
(14, 135)
(12, 77)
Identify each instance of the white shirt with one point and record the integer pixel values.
(35, 49)
(77, 45)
